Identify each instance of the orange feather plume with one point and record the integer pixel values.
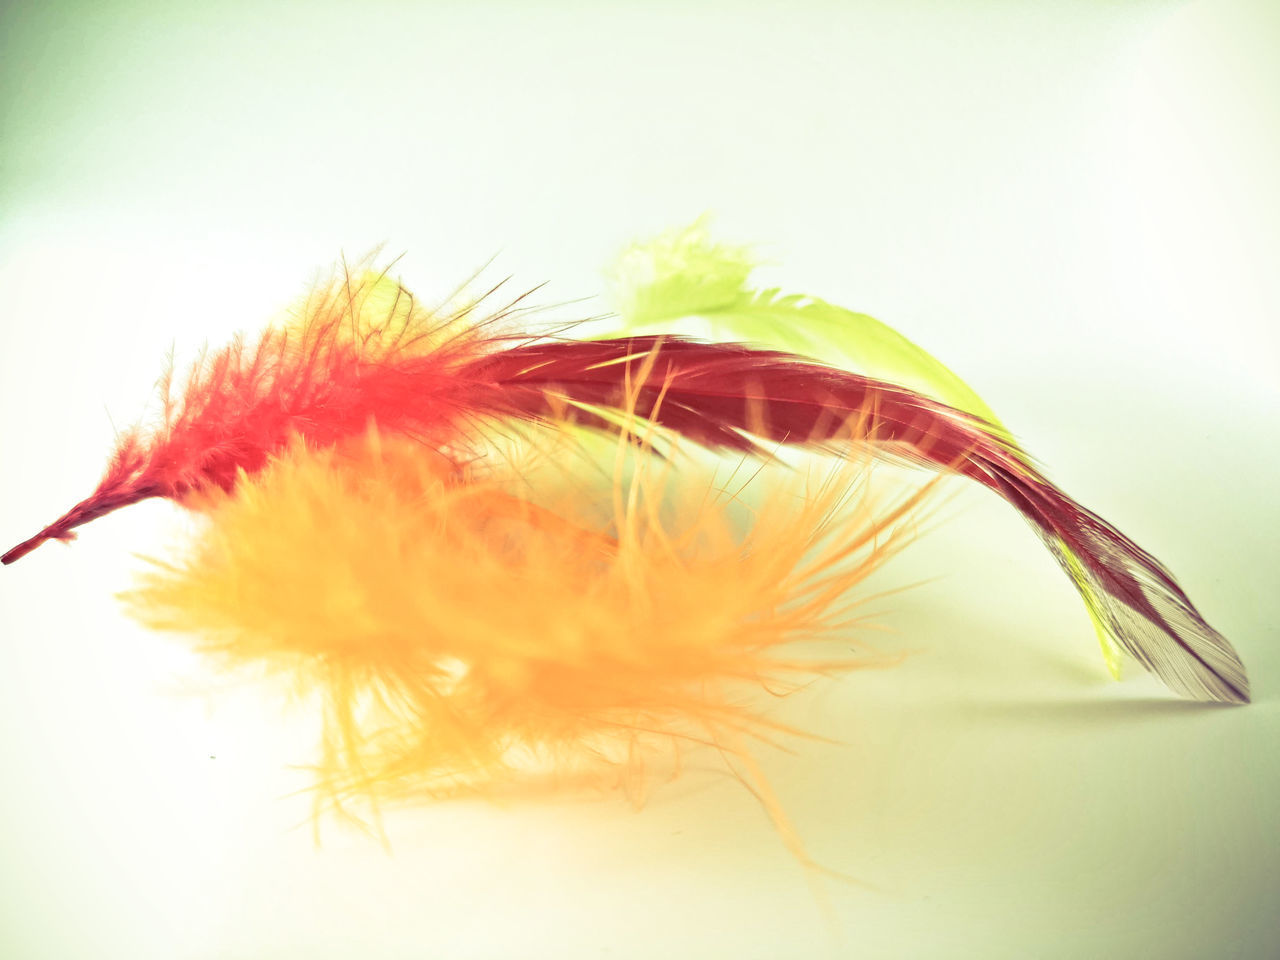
(471, 628)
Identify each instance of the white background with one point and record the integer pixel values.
(1073, 204)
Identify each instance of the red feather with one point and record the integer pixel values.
(322, 380)
(326, 381)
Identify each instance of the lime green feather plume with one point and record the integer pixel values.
(684, 275)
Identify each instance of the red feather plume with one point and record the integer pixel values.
(437, 379)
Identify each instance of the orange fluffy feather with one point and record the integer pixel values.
(467, 634)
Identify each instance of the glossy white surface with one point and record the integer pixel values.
(1073, 204)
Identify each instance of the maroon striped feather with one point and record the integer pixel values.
(730, 396)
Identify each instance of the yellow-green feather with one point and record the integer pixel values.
(684, 275)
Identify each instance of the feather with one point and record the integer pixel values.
(360, 349)
(682, 274)
(363, 574)
(351, 360)
(727, 395)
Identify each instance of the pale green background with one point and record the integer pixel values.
(1075, 204)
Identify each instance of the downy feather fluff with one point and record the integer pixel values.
(632, 623)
